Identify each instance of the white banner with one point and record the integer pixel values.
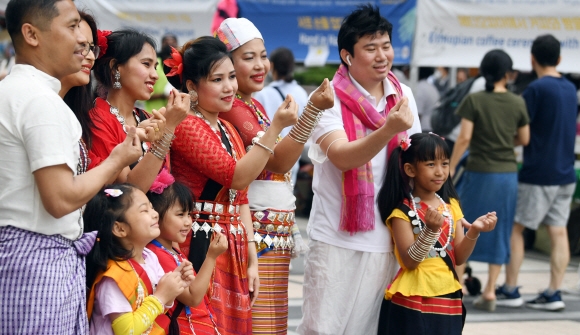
(458, 33)
(186, 19)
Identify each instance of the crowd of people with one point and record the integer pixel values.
(180, 219)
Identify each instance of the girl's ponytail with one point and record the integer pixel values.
(395, 185)
(100, 215)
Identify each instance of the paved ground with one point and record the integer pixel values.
(504, 321)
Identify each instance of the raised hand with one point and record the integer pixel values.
(170, 285)
(151, 130)
(218, 245)
(178, 105)
(400, 117)
(485, 223)
(187, 272)
(433, 219)
(287, 113)
(128, 151)
(323, 97)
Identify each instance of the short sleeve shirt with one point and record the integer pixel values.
(37, 130)
(549, 157)
(323, 224)
(496, 118)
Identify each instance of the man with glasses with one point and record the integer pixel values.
(42, 246)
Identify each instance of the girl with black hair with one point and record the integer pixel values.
(128, 289)
(492, 123)
(126, 72)
(419, 205)
(209, 157)
(191, 312)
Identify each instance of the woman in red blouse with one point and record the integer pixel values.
(209, 157)
(271, 196)
(125, 70)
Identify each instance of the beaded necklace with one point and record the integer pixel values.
(217, 132)
(178, 261)
(262, 119)
(115, 111)
(421, 225)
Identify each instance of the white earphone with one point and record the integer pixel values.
(348, 60)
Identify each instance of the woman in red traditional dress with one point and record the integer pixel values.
(125, 70)
(209, 157)
(271, 197)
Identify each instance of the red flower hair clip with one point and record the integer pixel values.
(163, 180)
(175, 63)
(102, 41)
(405, 143)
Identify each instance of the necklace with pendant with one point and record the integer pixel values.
(420, 225)
(115, 111)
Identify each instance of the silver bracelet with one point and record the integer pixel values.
(264, 147)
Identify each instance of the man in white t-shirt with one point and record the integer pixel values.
(42, 246)
(349, 266)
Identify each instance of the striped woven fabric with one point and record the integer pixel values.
(435, 305)
(417, 315)
(270, 311)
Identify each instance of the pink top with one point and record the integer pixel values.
(109, 298)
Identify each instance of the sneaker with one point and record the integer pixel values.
(485, 305)
(548, 303)
(508, 299)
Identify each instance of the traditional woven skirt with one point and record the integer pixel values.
(228, 294)
(42, 283)
(486, 192)
(270, 311)
(442, 315)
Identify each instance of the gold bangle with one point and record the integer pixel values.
(473, 239)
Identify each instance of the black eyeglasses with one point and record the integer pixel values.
(91, 47)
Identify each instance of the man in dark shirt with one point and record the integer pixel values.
(547, 179)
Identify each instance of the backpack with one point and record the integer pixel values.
(443, 119)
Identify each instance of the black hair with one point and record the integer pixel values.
(100, 214)
(365, 20)
(121, 46)
(546, 50)
(200, 57)
(36, 12)
(424, 147)
(494, 66)
(174, 193)
(283, 62)
(80, 98)
(425, 72)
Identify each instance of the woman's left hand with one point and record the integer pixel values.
(254, 282)
(151, 130)
(178, 105)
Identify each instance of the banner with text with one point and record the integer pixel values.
(310, 27)
(186, 19)
(458, 33)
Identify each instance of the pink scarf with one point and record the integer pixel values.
(358, 115)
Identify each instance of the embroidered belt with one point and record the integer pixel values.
(217, 216)
(273, 230)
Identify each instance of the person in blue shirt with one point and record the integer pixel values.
(547, 179)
